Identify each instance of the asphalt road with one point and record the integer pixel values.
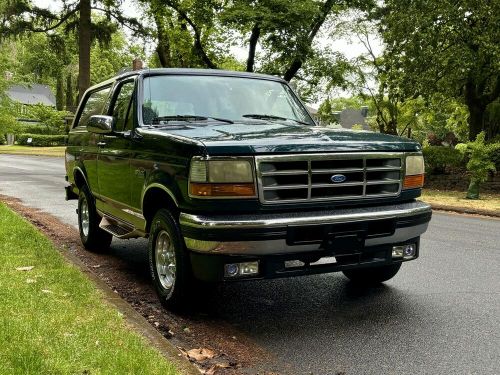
(439, 315)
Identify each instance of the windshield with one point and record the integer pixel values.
(191, 98)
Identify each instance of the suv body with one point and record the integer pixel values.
(230, 178)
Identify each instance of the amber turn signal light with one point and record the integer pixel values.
(222, 190)
(414, 181)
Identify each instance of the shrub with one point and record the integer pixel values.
(42, 140)
(2, 139)
(440, 158)
(36, 129)
(50, 117)
(480, 163)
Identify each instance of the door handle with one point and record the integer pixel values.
(101, 143)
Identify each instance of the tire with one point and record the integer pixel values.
(373, 275)
(169, 262)
(93, 238)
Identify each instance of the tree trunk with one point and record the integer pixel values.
(70, 105)
(163, 46)
(476, 117)
(59, 93)
(254, 37)
(84, 41)
(476, 110)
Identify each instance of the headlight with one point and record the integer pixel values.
(223, 178)
(414, 173)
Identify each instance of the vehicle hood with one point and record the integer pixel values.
(272, 137)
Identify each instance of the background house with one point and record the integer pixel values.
(24, 96)
(349, 117)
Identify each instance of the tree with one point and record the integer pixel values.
(280, 36)
(20, 16)
(448, 47)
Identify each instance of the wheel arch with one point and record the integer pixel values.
(80, 178)
(158, 196)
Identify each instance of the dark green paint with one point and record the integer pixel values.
(121, 167)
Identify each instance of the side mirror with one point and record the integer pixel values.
(100, 124)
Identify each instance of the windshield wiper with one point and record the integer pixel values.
(187, 118)
(273, 117)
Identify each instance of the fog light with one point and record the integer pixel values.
(410, 251)
(397, 251)
(241, 269)
(231, 270)
(404, 251)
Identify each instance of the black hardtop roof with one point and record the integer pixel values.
(186, 71)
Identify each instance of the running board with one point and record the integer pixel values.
(118, 229)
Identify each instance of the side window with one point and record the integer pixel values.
(94, 105)
(123, 110)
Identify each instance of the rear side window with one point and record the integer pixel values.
(95, 104)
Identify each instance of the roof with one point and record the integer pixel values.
(186, 71)
(32, 94)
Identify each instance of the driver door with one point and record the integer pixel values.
(113, 162)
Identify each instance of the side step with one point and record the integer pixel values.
(117, 228)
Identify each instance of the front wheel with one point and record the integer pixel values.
(373, 275)
(93, 238)
(168, 261)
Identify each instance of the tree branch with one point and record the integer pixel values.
(61, 20)
(318, 21)
(127, 22)
(198, 46)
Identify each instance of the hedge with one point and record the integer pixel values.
(2, 139)
(440, 158)
(42, 140)
(36, 129)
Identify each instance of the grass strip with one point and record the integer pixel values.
(487, 202)
(29, 150)
(53, 320)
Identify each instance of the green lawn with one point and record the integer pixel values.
(53, 320)
(487, 202)
(28, 150)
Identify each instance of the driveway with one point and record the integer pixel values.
(439, 315)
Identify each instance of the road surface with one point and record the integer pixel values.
(439, 315)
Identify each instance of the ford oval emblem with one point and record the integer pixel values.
(338, 178)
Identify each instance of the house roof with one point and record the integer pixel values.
(32, 94)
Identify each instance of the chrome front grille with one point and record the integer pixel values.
(317, 177)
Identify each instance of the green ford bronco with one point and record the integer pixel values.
(230, 178)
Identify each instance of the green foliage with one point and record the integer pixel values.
(41, 140)
(2, 139)
(480, 163)
(440, 158)
(447, 47)
(50, 117)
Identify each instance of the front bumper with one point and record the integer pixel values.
(269, 234)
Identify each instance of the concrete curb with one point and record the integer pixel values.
(136, 320)
(465, 210)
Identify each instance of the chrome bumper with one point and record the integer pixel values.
(215, 224)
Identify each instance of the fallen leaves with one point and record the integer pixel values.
(25, 268)
(214, 368)
(200, 354)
